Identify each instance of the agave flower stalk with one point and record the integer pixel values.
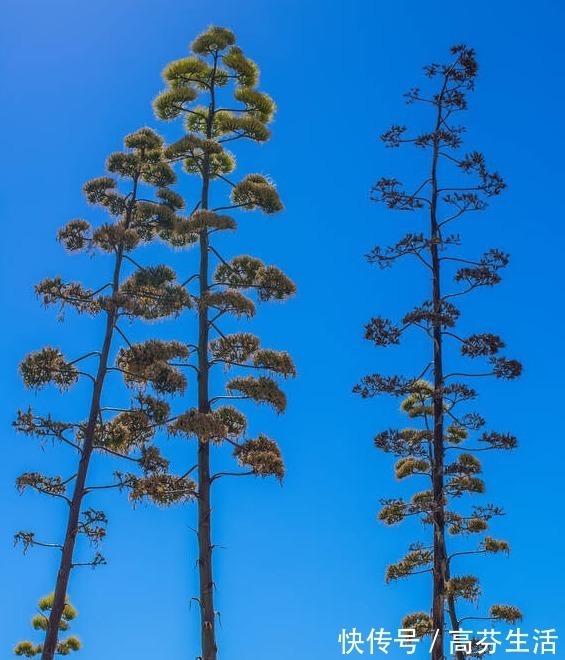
(230, 109)
(438, 393)
(133, 292)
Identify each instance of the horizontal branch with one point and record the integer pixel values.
(218, 475)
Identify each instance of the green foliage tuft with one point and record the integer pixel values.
(127, 431)
(143, 139)
(507, 613)
(96, 190)
(494, 546)
(247, 272)
(152, 293)
(234, 421)
(54, 291)
(247, 126)
(212, 40)
(419, 402)
(204, 426)
(40, 622)
(229, 301)
(245, 70)
(393, 511)
(75, 235)
(410, 466)
(260, 390)
(125, 164)
(183, 73)
(418, 560)
(257, 104)
(278, 362)
(48, 365)
(255, 192)
(148, 363)
(170, 104)
(262, 455)
(456, 434)
(203, 219)
(110, 237)
(235, 348)
(162, 489)
(27, 649)
(420, 622)
(65, 646)
(466, 587)
(172, 199)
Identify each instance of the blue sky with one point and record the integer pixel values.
(303, 561)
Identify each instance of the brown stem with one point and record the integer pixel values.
(455, 623)
(441, 561)
(206, 580)
(440, 555)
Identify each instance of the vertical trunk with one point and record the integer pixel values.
(207, 613)
(452, 612)
(66, 563)
(440, 558)
(208, 634)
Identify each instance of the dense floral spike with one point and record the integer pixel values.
(437, 408)
(215, 90)
(145, 293)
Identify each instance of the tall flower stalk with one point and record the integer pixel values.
(125, 433)
(215, 91)
(437, 396)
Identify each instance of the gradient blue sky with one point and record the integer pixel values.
(304, 561)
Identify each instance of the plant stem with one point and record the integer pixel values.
(438, 515)
(66, 562)
(207, 613)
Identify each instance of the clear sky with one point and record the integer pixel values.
(303, 561)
